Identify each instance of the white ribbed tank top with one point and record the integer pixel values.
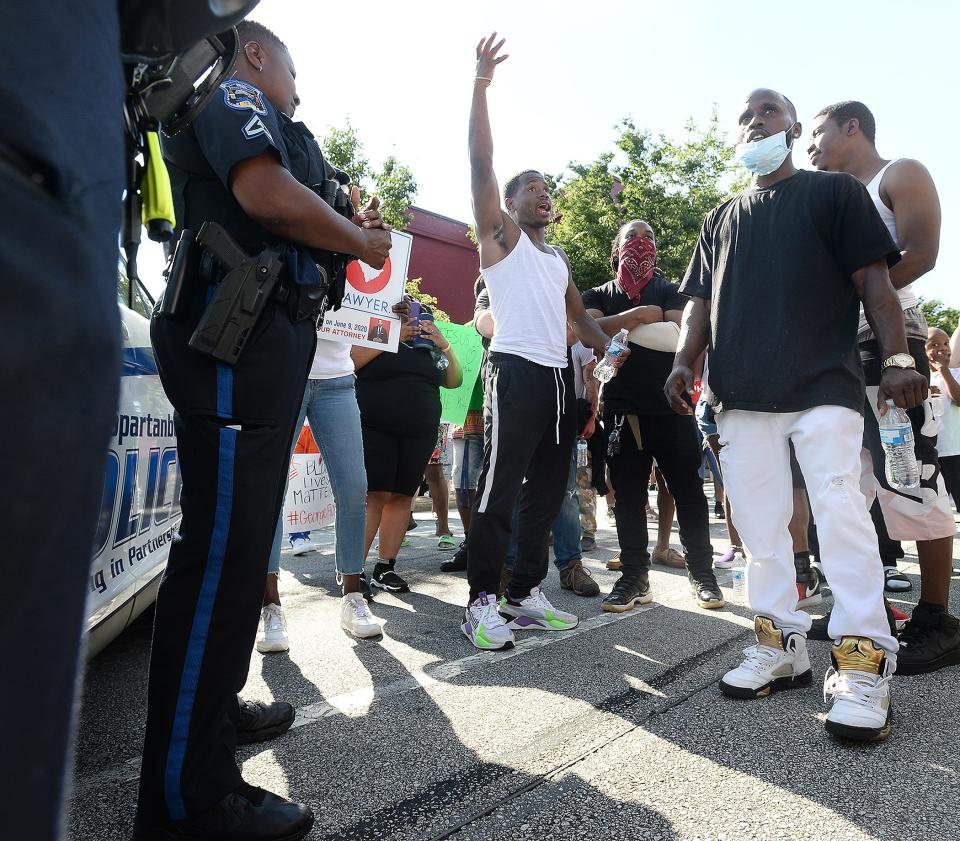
(907, 298)
(527, 299)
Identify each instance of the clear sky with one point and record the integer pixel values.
(402, 73)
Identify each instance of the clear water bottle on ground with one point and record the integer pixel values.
(738, 576)
(896, 435)
(605, 370)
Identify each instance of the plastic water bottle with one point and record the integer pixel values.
(582, 460)
(738, 576)
(605, 370)
(896, 435)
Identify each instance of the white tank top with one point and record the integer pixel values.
(907, 298)
(528, 302)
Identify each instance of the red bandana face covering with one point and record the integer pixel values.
(638, 256)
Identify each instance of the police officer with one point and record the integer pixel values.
(244, 164)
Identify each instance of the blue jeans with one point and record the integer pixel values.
(566, 528)
(331, 408)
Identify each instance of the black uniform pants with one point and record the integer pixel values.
(234, 433)
(61, 178)
(530, 423)
(671, 441)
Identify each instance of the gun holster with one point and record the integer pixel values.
(238, 299)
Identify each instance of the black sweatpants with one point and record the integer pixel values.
(671, 440)
(235, 428)
(61, 178)
(530, 423)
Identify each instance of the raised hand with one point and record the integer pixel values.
(487, 58)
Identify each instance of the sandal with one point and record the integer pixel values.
(895, 581)
(446, 542)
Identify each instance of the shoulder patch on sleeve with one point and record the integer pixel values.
(242, 96)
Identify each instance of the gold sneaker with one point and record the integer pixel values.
(778, 661)
(859, 685)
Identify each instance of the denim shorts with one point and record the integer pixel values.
(467, 461)
(706, 419)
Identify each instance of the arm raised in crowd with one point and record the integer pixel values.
(694, 327)
(906, 387)
(497, 233)
(273, 198)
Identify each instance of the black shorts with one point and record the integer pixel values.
(395, 463)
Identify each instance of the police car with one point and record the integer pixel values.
(139, 510)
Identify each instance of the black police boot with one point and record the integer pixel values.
(261, 722)
(458, 563)
(929, 641)
(247, 814)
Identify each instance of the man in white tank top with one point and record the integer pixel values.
(529, 411)
(843, 140)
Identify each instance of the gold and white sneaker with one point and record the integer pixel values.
(859, 685)
(776, 662)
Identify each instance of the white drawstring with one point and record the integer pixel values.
(561, 403)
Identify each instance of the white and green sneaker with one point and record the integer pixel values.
(535, 613)
(484, 626)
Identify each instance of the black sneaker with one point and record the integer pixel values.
(458, 563)
(930, 641)
(386, 579)
(718, 510)
(628, 592)
(706, 591)
(808, 581)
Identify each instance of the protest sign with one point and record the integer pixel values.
(309, 502)
(466, 344)
(366, 317)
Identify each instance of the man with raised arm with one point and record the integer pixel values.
(776, 281)
(529, 403)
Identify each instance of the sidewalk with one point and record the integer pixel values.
(615, 730)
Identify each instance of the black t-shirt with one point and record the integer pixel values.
(775, 264)
(238, 123)
(400, 392)
(638, 387)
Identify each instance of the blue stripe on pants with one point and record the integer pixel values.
(196, 647)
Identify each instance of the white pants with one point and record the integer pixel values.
(755, 460)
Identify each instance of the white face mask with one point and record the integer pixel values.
(763, 156)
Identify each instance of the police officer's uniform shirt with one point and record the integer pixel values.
(238, 123)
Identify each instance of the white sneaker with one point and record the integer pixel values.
(356, 617)
(535, 613)
(273, 632)
(859, 685)
(301, 545)
(484, 626)
(774, 663)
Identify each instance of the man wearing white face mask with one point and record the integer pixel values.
(775, 282)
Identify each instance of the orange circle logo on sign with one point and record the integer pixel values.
(358, 279)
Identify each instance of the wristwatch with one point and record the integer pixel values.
(899, 360)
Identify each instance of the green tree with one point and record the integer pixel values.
(414, 291)
(938, 314)
(672, 184)
(393, 183)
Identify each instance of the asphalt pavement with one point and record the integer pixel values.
(614, 730)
